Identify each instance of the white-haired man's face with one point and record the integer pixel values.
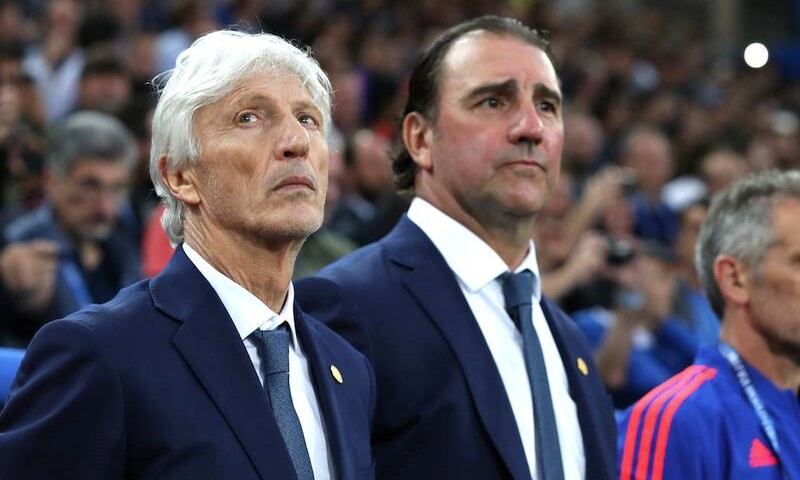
(262, 171)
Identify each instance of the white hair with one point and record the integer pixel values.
(212, 67)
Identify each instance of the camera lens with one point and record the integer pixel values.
(620, 252)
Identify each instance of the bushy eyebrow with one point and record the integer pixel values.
(543, 91)
(505, 88)
(246, 101)
(508, 87)
(251, 99)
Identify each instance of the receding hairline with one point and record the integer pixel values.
(542, 89)
(475, 35)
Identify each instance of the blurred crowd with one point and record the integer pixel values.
(658, 118)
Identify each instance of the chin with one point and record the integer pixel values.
(300, 225)
(97, 233)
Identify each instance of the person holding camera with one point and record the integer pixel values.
(637, 340)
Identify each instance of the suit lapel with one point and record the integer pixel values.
(319, 362)
(434, 286)
(210, 344)
(588, 414)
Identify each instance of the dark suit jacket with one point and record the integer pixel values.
(157, 384)
(442, 411)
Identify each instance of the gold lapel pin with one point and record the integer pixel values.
(582, 366)
(337, 375)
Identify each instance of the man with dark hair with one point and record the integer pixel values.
(735, 412)
(478, 376)
(71, 251)
(105, 84)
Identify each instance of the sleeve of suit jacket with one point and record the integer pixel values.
(65, 416)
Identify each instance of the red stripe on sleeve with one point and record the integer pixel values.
(669, 414)
(626, 470)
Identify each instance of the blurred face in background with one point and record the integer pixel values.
(372, 168)
(691, 221)
(650, 156)
(88, 197)
(106, 92)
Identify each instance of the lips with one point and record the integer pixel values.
(296, 181)
(525, 163)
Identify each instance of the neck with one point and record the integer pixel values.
(509, 236)
(738, 332)
(264, 269)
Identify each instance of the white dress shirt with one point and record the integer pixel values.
(248, 314)
(476, 267)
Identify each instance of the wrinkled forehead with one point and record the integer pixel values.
(488, 54)
(272, 84)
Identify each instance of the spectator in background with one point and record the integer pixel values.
(576, 234)
(21, 138)
(690, 303)
(56, 63)
(734, 413)
(637, 341)
(583, 144)
(647, 152)
(71, 252)
(365, 210)
(570, 254)
(105, 84)
(188, 19)
(720, 168)
(325, 245)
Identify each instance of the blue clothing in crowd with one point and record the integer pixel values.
(75, 287)
(654, 221)
(655, 356)
(700, 425)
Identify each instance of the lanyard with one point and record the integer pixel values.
(755, 401)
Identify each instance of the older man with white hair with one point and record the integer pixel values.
(209, 370)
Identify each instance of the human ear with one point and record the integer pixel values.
(179, 181)
(733, 279)
(418, 136)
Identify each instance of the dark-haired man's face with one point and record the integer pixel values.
(492, 155)
(88, 198)
(104, 92)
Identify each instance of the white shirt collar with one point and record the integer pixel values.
(246, 310)
(472, 260)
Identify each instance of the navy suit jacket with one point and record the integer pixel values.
(442, 411)
(157, 384)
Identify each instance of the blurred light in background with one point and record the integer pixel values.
(756, 55)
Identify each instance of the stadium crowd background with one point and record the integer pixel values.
(660, 113)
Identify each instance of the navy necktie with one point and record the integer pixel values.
(273, 350)
(518, 294)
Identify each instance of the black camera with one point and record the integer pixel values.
(620, 252)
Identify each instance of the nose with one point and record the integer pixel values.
(527, 127)
(107, 206)
(294, 141)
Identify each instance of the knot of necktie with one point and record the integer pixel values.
(273, 349)
(517, 292)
